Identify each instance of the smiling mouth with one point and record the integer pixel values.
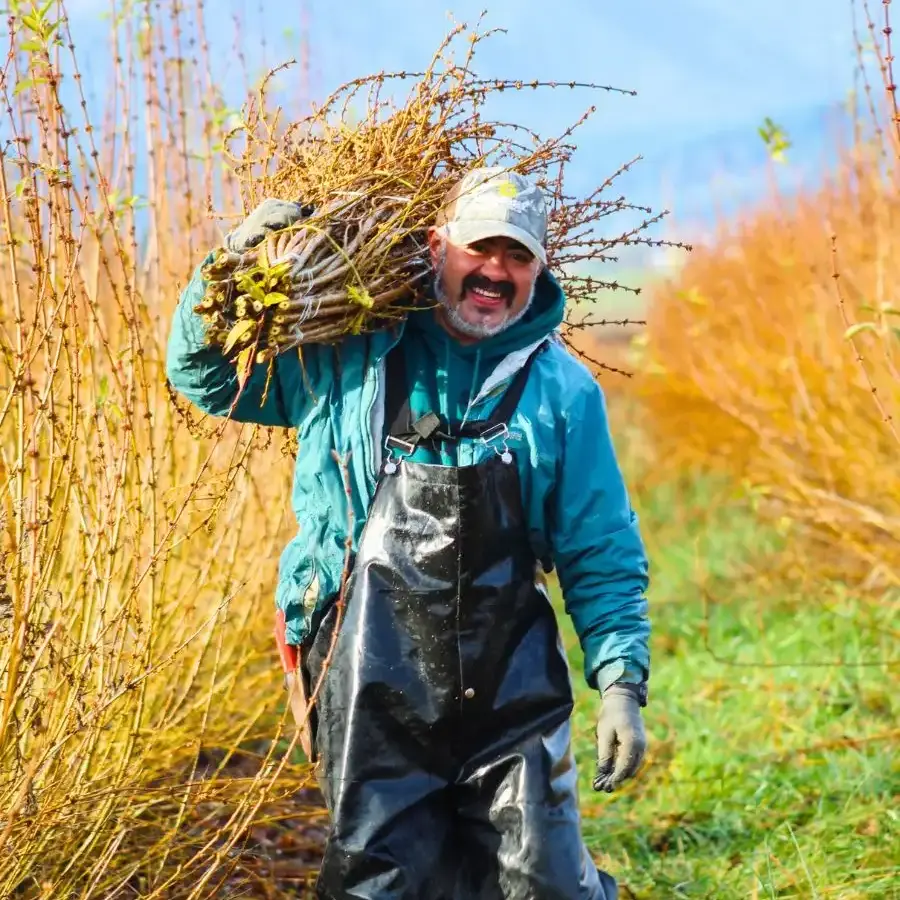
(489, 298)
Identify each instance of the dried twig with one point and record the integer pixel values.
(836, 275)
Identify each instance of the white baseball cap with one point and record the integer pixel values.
(493, 201)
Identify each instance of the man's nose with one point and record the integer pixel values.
(494, 266)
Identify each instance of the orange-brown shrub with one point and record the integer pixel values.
(749, 365)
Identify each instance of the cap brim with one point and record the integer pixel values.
(464, 233)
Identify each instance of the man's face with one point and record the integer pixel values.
(483, 287)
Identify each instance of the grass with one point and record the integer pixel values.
(767, 775)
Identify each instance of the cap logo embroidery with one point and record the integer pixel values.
(508, 189)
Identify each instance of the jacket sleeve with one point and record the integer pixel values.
(597, 549)
(205, 377)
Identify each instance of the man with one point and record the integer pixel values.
(476, 449)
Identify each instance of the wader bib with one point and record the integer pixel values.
(443, 720)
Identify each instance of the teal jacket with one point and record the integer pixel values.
(578, 509)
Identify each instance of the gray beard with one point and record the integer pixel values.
(470, 329)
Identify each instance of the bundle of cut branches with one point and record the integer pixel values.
(336, 272)
(360, 260)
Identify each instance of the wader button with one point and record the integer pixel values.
(469, 693)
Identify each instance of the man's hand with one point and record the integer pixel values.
(270, 215)
(621, 740)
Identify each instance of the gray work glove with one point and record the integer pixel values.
(621, 740)
(270, 215)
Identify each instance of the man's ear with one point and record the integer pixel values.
(435, 243)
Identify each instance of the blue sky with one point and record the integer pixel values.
(706, 71)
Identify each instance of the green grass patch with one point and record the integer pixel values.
(773, 769)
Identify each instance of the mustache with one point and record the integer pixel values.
(505, 288)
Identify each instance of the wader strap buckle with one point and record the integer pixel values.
(391, 444)
(498, 432)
